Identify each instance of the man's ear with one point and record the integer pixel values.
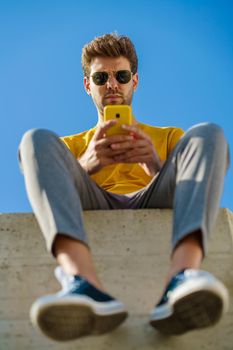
(86, 82)
(135, 81)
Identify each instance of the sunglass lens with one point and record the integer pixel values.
(100, 78)
(123, 76)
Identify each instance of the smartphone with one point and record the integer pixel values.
(122, 114)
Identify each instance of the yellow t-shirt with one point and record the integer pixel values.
(125, 178)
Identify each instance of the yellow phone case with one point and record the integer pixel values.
(121, 113)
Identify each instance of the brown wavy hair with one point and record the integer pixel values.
(109, 45)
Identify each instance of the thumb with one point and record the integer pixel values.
(102, 128)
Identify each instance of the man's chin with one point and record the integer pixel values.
(118, 101)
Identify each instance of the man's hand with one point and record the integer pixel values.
(142, 151)
(99, 152)
(136, 147)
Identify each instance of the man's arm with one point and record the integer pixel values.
(99, 152)
(142, 151)
(136, 147)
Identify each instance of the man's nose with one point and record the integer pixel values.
(112, 82)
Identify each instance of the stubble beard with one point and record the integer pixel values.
(126, 100)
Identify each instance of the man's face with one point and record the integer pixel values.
(112, 92)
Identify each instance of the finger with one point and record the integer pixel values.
(103, 150)
(135, 131)
(107, 142)
(133, 159)
(102, 128)
(112, 153)
(130, 144)
(139, 153)
(119, 138)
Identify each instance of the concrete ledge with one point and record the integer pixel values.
(131, 251)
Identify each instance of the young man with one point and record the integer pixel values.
(150, 167)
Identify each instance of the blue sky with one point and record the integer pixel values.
(185, 51)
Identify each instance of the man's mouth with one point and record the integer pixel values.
(112, 97)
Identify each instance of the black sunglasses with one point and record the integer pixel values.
(122, 76)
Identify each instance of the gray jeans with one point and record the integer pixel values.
(190, 182)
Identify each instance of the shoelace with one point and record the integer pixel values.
(67, 281)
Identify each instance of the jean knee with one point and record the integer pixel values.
(36, 135)
(207, 131)
(34, 141)
(213, 129)
(34, 138)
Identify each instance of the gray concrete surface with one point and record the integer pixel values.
(131, 251)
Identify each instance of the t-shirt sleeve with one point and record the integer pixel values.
(174, 137)
(70, 144)
(77, 143)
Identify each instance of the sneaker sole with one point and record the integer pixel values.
(197, 310)
(64, 322)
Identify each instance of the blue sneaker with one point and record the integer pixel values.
(79, 309)
(193, 299)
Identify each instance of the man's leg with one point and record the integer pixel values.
(202, 160)
(75, 259)
(191, 182)
(58, 189)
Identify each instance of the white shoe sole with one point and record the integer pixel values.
(191, 306)
(69, 318)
